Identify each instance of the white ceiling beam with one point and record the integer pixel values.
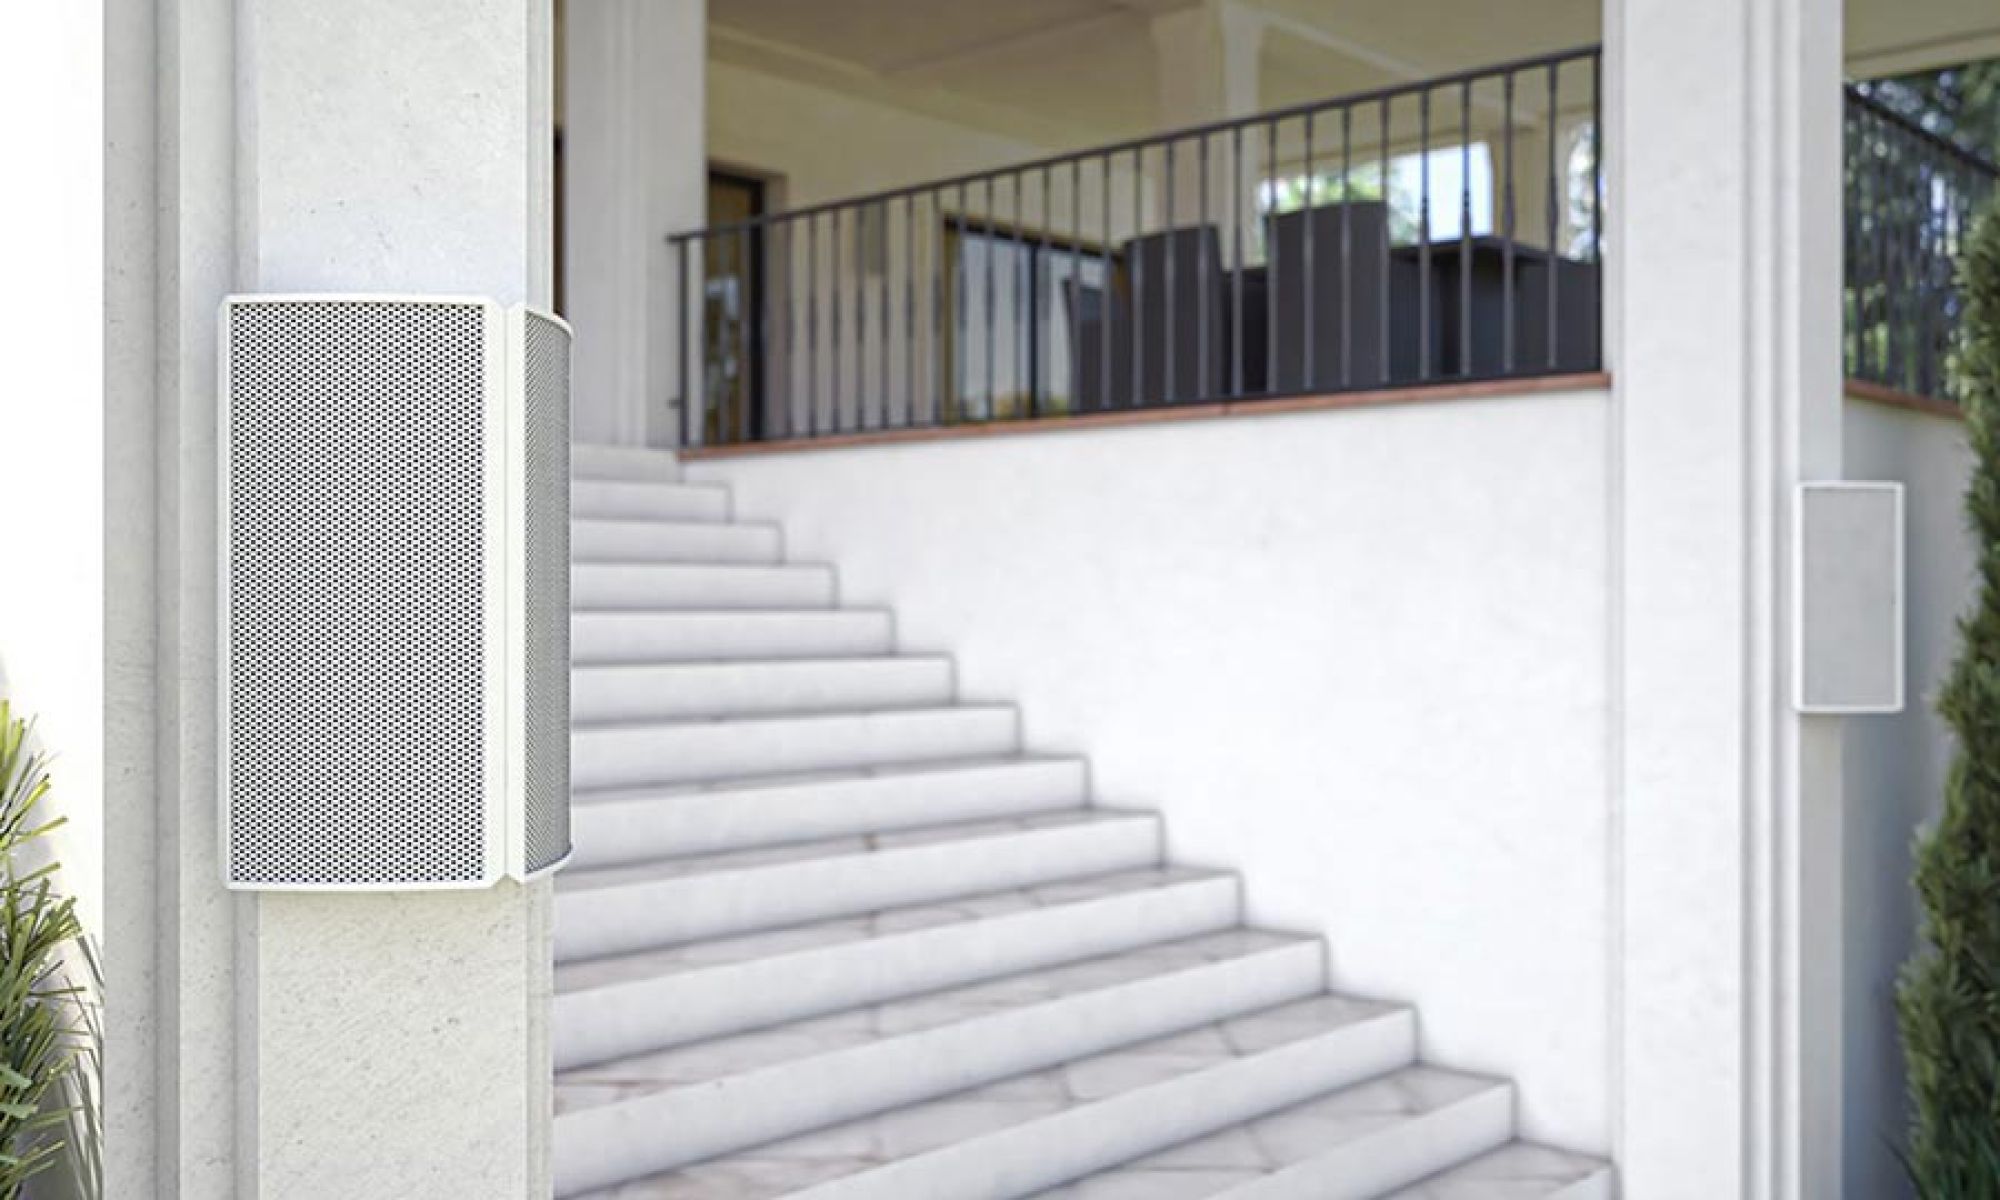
(1077, 27)
(752, 51)
(1926, 55)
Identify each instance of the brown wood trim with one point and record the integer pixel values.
(1429, 394)
(1877, 393)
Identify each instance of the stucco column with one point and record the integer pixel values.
(1723, 122)
(634, 171)
(1207, 70)
(394, 1044)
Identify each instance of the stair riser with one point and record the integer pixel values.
(1053, 1150)
(658, 541)
(638, 587)
(593, 498)
(623, 831)
(623, 463)
(594, 922)
(597, 1147)
(671, 693)
(607, 1023)
(639, 755)
(598, 638)
(1395, 1156)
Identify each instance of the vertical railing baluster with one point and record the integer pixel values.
(1105, 304)
(1555, 236)
(909, 309)
(934, 344)
(789, 352)
(1596, 360)
(1507, 230)
(1041, 353)
(746, 339)
(1424, 234)
(1019, 232)
(1269, 193)
(1308, 275)
(992, 305)
(1169, 247)
(835, 423)
(1077, 287)
(1135, 248)
(685, 318)
(1382, 363)
(879, 258)
(1203, 389)
(1237, 351)
(812, 327)
(1465, 230)
(861, 318)
(1346, 246)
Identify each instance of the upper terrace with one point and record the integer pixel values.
(1090, 207)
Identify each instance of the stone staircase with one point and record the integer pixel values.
(831, 932)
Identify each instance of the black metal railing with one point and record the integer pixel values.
(1435, 232)
(1911, 196)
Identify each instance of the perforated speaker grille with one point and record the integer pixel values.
(355, 666)
(546, 703)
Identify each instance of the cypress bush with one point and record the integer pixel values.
(1949, 999)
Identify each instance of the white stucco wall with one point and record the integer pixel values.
(1895, 770)
(52, 474)
(1359, 655)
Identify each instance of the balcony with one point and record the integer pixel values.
(1446, 233)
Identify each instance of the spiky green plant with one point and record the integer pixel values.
(39, 1033)
(1949, 1000)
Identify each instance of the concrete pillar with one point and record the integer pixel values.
(1207, 70)
(635, 170)
(1724, 260)
(397, 1044)
(295, 1046)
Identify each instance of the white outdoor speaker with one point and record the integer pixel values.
(394, 641)
(1848, 652)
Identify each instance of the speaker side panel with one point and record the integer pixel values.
(356, 670)
(545, 568)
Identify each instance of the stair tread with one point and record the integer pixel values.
(927, 709)
(943, 768)
(1516, 1171)
(751, 858)
(1245, 1153)
(772, 1048)
(664, 961)
(854, 1147)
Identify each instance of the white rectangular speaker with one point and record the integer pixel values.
(1847, 582)
(394, 557)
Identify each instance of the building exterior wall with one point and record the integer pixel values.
(1895, 770)
(1358, 655)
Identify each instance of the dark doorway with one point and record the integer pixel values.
(733, 295)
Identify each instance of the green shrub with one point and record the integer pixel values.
(1949, 1000)
(41, 1035)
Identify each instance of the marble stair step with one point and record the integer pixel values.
(654, 1112)
(1358, 1143)
(623, 1005)
(695, 636)
(606, 540)
(643, 586)
(1518, 1171)
(648, 500)
(1042, 1129)
(771, 687)
(616, 910)
(624, 825)
(589, 460)
(641, 753)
